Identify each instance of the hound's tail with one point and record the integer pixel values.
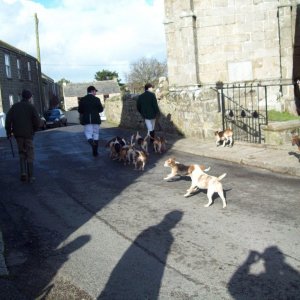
(222, 176)
(204, 169)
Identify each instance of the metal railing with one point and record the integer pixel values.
(244, 110)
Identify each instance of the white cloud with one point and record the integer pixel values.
(80, 37)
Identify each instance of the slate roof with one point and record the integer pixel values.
(79, 89)
(14, 49)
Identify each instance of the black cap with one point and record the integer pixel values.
(26, 94)
(91, 88)
(147, 86)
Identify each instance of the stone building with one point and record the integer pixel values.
(18, 70)
(232, 41)
(72, 92)
(52, 92)
(229, 63)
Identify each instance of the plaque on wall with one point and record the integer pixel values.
(240, 71)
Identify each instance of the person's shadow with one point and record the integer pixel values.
(278, 281)
(139, 272)
(38, 271)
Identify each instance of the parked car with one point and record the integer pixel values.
(55, 118)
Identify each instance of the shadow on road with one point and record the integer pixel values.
(138, 276)
(71, 188)
(277, 281)
(51, 267)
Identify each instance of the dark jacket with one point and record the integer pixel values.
(22, 120)
(89, 108)
(147, 105)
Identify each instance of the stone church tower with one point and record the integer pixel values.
(232, 41)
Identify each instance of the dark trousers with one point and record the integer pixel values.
(25, 148)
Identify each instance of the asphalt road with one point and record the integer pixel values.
(93, 228)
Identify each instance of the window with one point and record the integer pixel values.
(19, 68)
(7, 66)
(11, 100)
(29, 70)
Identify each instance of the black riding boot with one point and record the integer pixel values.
(152, 136)
(95, 148)
(23, 169)
(31, 178)
(91, 142)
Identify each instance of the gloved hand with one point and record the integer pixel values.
(8, 134)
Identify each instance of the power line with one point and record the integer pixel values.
(80, 65)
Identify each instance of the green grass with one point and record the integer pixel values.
(281, 116)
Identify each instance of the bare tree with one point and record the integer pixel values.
(143, 71)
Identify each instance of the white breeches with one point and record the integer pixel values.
(91, 131)
(150, 124)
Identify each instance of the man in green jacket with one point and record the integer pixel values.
(147, 106)
(22, 120)
(90, 108)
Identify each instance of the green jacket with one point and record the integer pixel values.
(89, 109)
(22, 120)
(147, 105)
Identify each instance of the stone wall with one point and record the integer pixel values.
(71, 102)
(113, 110)
(192, 113)
(279, 133)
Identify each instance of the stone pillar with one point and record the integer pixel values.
(286, 33)
(285, 28)
(181, 40)
(189, 53)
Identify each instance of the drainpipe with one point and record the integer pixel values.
(195, 42)
(39, 76)
(279, 37)
(279, 44)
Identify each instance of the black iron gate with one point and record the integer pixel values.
(244, 110)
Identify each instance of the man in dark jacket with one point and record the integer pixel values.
(22, 120)
(147, 106)
(90, 108)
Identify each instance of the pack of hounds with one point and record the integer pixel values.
(136, 152)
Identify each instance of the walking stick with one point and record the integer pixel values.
(11, 147)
